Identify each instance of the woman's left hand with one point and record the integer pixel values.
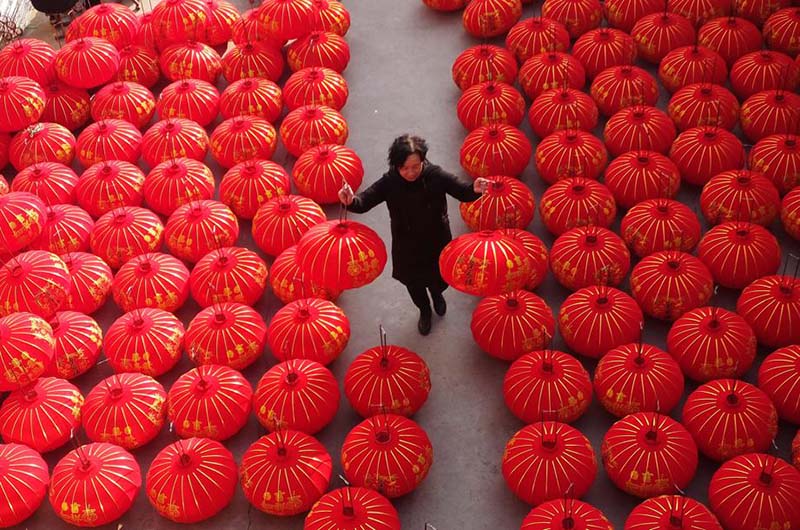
(480, 185)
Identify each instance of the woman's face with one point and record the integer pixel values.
(411, 168)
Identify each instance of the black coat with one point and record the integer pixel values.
(419, 221)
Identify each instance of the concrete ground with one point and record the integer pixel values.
(399, 78)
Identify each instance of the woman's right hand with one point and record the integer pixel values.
(346, 194)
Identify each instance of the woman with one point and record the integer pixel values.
(414, 191)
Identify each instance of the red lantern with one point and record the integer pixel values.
(25, 483)
(490, 102)
(286, 19)
(595, 319)
(691, 64)
(22, 216)
(210, 401)
(731, 37)
(790, 213)
(318, 173)
(640, 128)
(222, 16)
(285, 473)
(126, 232)
(603, 48)
(619, 87)
(484, 62)
(563, 513)
(230, 334)
(737, 253)
(771, 305)
(562, 108)
(41, 142)
(66, 105)
(781, 30)
(666, 511)
(536, 251)
(769, 112)
(147, 341)
(151, 280)
(484, 19)
(196, 228)
(26, 349)
(742, 195)
(701, 104)
(623, 14)
(702, 152)
(190, 99)
(354, 508)
(248, 185)
(388, 453)
(175, 182)
(123, 100)
(655, 225)
(495, 149)
(547, 383)
(108, 140)
(281, 221)
(116, 23)
(545, 71)
(241, 139)
(484, 263)
(576, 201)
(289, 283)
(309, 328)
(578, 16)
(699, 11)
(659, 32)
(35, 281)
(22, 102)
(570, 153)
(758, 11)
(507, 203)
(108, 185)
(548, 460)
(87, 62)
(589, 255)
(728, 417)
(78, 341)
(763, 70)
(535, 35)
(312, 125)
(755, 490)
(712, 343)
(171, 139)
(175, 21)
(249, 29)
(90, 280)
(778, 157)
(298, 394)
(252, 97)
(639, 377)
(31, 58)
(52, 182)
(191, 481)
(668, 283)
(94, 484)
(647, 454)
(330, 15)
(232, 274)
(149, 34)
(138, 64)
(340, 255)
(257, 59)
(638, 176)
(319, 48)
(779, 378)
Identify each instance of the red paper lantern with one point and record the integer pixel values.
(94, 484)
(639, 377)
(26, 349)
(699, 11)
(90, 279)
(728, 417)
(641, 128)
(232, 274)
(755, 490)
(790, 213)
(490, 102)
(484, 263)
(701, 104)
(658, 33)
(320, 171)
(42, 415)
(576, 201)
(35, 281)
(309, 328)
(174, 138)
(22, 102)
(281, 221)
(730, 36)
(623, 14)
(535, 35)
(126, 232)
(108, 140)
(702, 152)
(87, 62)
(316, 85)
(138, 64)
(496, 149)
(108, 185)
(149, 34)
(298, 394)
(484, 62)
(570, 153)
(668, 283)
(151, 280)
(284, 473)
(330, 15)
(781, 30)
(771, 305)
(536, 252)
(31, 58)
(148, 341)
(230, 334)
(77, 347)
(604, 48)
(257, 59)
(41, 142)
(248, 185)
(123, 100)
(778, 157)
(125, 409)
(191, 481)
(286, 19)
(655, 225)
(758, 11)
(770, 112)
(666, 511)
(116, 23)
(619, 87)
(198, 227)
(354, 508)
(289, 283)
(222, 16)
(341, 255)
(66, 105)
(176, 21)
(712, 343)
(589, 255)
(253, 97)
(647, 454)
(210, 401)
(319, 48)
(547, 383)
(175, 182)
(545, 71)
(249, 29)
(763, 70)
(779, 378)
(22, 216)
(691, 64)
(243, 138)
(388, 453)
(742, 195)
(25, 483)
(554, 450)
(737, 253)
(638, 176)
(563, 513)
(52, 182)
(507, 203)
(562, 108)
(484, 19)
(191, 99)
(595, 319)
(312, 125)
(578, 16)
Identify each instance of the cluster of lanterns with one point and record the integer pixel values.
(574, 72)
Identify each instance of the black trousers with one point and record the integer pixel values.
(419, 294)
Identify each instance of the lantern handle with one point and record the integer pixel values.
(344, 480)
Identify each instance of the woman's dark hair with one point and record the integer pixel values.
(405, 146)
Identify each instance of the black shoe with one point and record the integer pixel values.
(439, 304)
(424, 324)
